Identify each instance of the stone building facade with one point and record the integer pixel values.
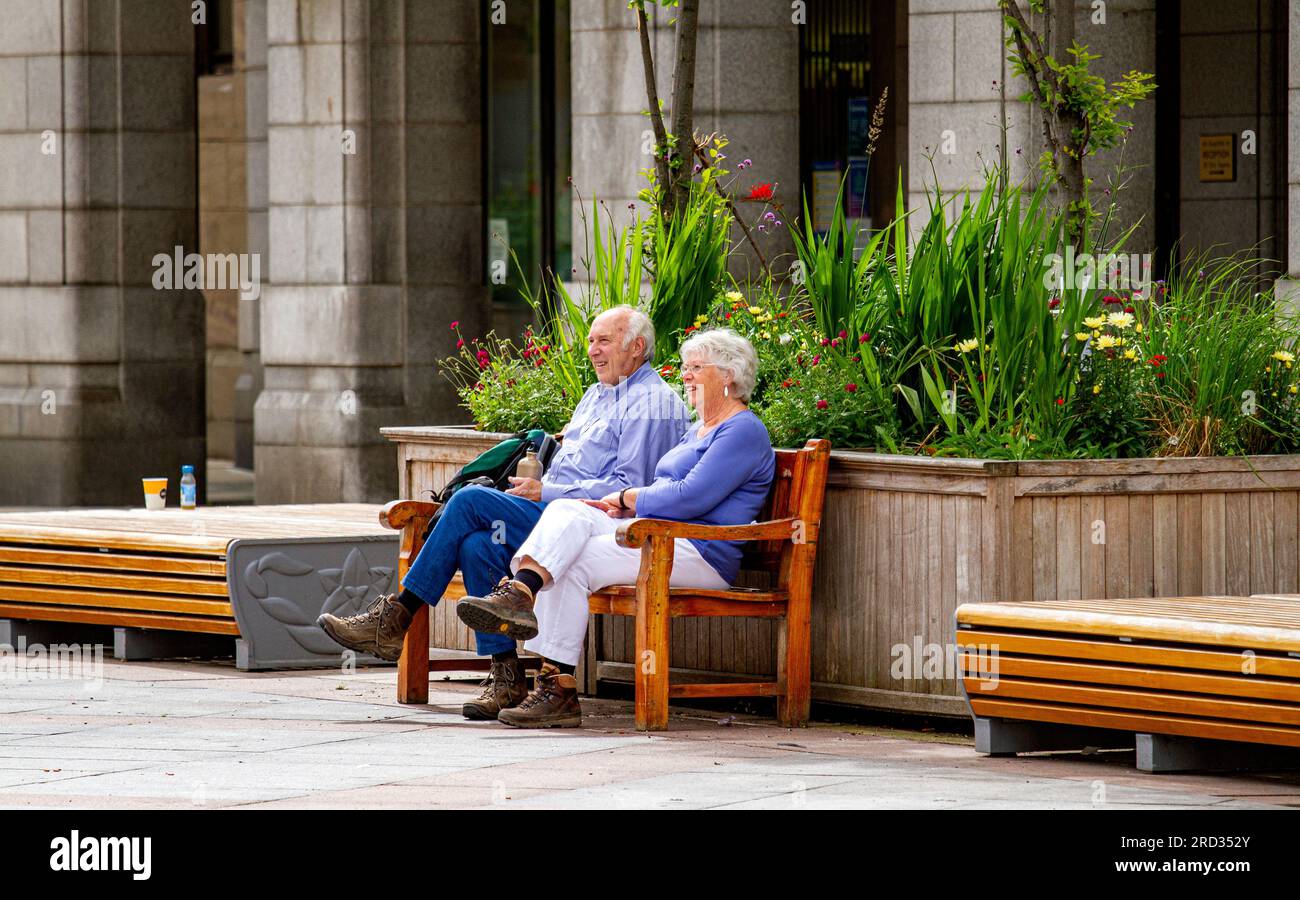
(361, 149)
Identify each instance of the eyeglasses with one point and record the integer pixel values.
(695, 368)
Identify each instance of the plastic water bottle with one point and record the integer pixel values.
(189, 488)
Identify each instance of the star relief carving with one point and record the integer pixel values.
(348, 587)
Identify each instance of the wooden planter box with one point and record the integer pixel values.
(906, 539)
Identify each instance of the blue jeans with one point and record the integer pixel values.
(477, 533)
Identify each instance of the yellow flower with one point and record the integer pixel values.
(1096, 389)
(765, 335)
(1106, 341)
(966, 346)
(1138, 327)
(1284, 356)
(735, 296)
(1081, 336)
(755, 310)
(1293, 388)
(1130, 354)
(1120, 319)
(1095, 322)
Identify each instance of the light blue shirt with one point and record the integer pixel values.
(616, 437)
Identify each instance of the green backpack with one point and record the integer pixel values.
(493, 468)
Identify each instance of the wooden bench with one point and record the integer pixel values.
(1222, 668)
(158, 576)
(785, 546)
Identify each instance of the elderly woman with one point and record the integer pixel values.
(719, 474)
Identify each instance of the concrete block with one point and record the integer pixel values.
(358, 242)
(325, 149)
(102, 89)
(1007, 737)
(607, 154)
(44, 247)
(324, 244)
(324, 474)
(322, 83)
(283, 24)
(162, 326)
(90, 246)
(289, 165)
(152, 27)
(331, 325)
(386, 73)
(13, 99)
(770, 86)
(978, 45)
(90, 173)
(255, 34)
(157, 93)
(443, 164)
(29, 178)
(256, 174)
(1204, 62)
(44, 93)
(285, 84)
(436, 87)
(388, 244)
(23, 633)
(930, 75)
(444, 21)
(1216, 17)
(59, 324)
(147, 643)
(255, 100)
(146, 233)
(738, 14)
(288, 234)
(31, 27)
(607, 70)
(13, 247)
(324, 21)
(444, 244)
(357, 85)
(1166, 753)
(158, 170)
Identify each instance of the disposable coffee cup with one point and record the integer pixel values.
(155, 493)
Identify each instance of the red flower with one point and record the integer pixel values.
(786, 383)
(455, 325)
(781, 315)
(822, 404)
(460, 343)
(1129, 309)
(857, 359)
(727, 316)
(816, 359)
(1160, 374)
(864, 339)
(666, 371)
(826, 342)
(1110, 299)
(760, 192)
(1157, 359)
(1060, 401)
(843, 334)
(690, 328)
(1054, 303)
(850, 387)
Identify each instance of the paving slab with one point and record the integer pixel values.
(201, 735)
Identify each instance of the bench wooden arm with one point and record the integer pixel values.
(638, 531)
(397, 514)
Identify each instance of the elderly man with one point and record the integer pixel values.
(619, 430)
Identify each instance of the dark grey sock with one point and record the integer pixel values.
(511, 655)
(409, 600)
(531, 579)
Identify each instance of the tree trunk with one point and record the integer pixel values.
(683, 111)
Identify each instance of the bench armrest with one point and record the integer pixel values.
(397, 514)
(638, 531)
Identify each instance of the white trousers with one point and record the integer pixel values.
(575, 543)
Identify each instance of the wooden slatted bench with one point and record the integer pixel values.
(785, 545)
(256, 573)
(1165, 674)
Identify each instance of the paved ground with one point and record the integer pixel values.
(190, 734)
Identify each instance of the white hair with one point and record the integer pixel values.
(637, 325)
(728, 351)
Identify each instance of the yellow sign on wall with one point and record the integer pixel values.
(1218, 157)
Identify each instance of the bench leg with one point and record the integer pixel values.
(413, 666)
(794, 666)
(1171, 753)
(1007, 737)
(652, 632)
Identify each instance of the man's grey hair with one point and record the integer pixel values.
(729, 352)
(638, 326)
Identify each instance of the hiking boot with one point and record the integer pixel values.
(507, 610)
(552, 704)
(379, 630)
(506, 686)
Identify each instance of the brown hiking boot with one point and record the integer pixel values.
(506, 686)
(379, 630)
(552, 704)
(507, 610)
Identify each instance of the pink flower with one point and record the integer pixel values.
(843, 334)
(460, 343)
(822, 404)
(850, 387)
(455, 325)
